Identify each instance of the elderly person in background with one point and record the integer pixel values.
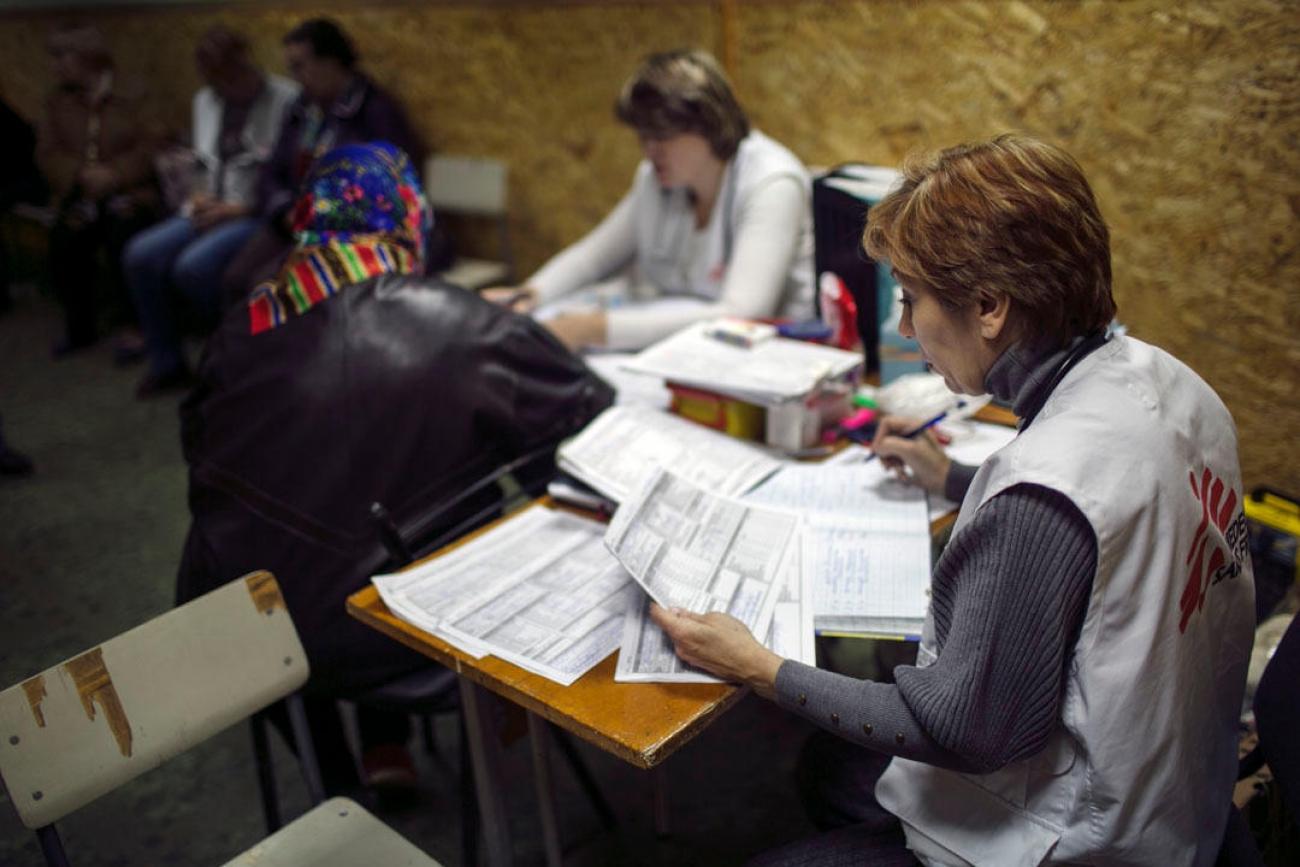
(717, 223)
(339, 105)
(97, 153)
(347, 380)
(1082, 666)
(237, 117)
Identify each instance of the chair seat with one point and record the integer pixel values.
(338, 833)
(475, 274)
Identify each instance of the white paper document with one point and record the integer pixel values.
(618, 451)
(860, 491)
(875, 582)
(866, 543)
(702, 552)
(539, 590)
(769, 372)
(629, 388)
(647, 655)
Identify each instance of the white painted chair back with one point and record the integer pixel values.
(81, 728)
(473, 187)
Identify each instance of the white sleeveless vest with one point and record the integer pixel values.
(1141, 769)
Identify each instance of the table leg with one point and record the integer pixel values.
(541, 742)
(485, 756)
(663, 824)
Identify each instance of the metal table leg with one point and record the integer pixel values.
(485, 756)
(541, 743)
(663, 818)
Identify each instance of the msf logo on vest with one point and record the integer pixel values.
(1220, 545)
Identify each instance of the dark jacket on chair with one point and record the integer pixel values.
(399, 390)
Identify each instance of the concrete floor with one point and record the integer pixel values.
(88, 548)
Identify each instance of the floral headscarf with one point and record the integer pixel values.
(362, 213)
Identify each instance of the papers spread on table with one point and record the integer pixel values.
(539, 590)
(873, 582)
(647, 654)
(625, 444)
(866, 544)
(768, 372)
(702, 552)
(629, 388)
(972, 442)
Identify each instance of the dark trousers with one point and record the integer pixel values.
(338, 768)
(837, 782)
(75, 242)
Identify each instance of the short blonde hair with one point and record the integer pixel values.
(684, 91)
(1013, 215)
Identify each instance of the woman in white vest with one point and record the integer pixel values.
(717, 223)
(1082, 667)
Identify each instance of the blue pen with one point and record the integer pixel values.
(916, 431)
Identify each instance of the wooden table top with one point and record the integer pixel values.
(641, 723)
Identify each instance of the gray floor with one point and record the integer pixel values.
(88, 548)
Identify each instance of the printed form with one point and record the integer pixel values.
(702, 552)
(540, 591)
(618, 451)
(647, 655)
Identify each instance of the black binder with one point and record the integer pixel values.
(838, 220)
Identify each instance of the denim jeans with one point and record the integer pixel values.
(173, 261)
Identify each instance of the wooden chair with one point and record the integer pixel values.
(79, 729)
(472, 187)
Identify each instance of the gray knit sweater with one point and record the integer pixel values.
(1008, 597)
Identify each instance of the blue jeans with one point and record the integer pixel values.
(171, 260)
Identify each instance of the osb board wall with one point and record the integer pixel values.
(1186, 117)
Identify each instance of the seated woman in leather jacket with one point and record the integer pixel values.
(351, 379)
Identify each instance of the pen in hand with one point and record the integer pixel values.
(915, 432)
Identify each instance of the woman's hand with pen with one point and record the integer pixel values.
(916, 458)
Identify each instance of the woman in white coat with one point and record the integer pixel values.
(1081, 671)
(717, 222)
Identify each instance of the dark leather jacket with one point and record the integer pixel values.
(400, 390)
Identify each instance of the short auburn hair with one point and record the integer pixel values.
(681, 91)
(1012, 215)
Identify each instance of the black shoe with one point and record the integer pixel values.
(14, 463)
(155, 384)
(126, 355)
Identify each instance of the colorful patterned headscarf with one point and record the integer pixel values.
(362, 213)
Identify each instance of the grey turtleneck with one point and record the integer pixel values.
(1008, 597)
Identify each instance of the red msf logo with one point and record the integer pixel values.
(1220, 563)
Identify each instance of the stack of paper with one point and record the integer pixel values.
(866, 544)
(618, 451)
(698, 551)
(767, 373)
(540, 590)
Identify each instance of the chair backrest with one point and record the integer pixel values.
(466, 185)
(81, 728)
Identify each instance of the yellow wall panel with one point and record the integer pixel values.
(1185, 117)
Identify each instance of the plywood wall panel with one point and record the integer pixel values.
(1185, 116)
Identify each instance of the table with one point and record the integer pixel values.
(641, 723)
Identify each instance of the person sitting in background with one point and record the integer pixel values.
(237, 117)
(20, 180)
(1083, 661)
(339, 105)
(98, 155)
(718, 217)
(347, 380)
